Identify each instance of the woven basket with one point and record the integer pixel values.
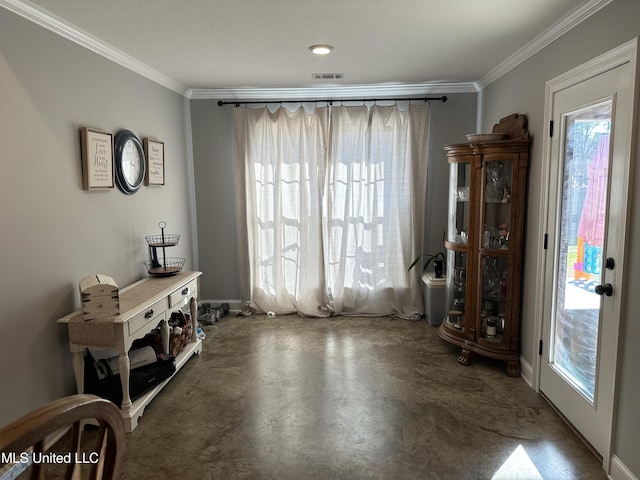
(178, 342)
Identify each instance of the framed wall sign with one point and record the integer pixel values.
(97, 158)
(154, 151)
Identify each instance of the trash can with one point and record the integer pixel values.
(434, 298)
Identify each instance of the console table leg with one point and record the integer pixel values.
(125, 370)
(164, 334)
(78, 370)
(193, 305)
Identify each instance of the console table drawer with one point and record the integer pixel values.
(148, 317)
(185, 292)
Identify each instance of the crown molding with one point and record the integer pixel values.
(338, 92)
(545, 38)
(73, 34)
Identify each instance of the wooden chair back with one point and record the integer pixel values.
(27, 437)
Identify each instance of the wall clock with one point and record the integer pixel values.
(129, 161)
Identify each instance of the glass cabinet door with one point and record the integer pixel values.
(459, 205)
(494, 264)
(458, 244)
(497, 204)
(456, 289)
(493, 317)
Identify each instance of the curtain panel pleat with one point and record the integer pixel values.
(333, 202)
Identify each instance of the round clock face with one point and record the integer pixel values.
(129, 160)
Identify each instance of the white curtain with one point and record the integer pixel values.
(280, 162)
(375, 207)
(333, 203)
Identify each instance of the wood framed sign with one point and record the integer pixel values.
(154, 152)
(97, 158)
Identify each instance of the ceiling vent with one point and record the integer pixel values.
(327, 76)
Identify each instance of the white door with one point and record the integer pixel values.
(588, 187)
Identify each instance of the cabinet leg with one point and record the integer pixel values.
(465, 357)
(513, 368)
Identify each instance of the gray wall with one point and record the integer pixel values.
(212, 131)
(212, 128)
(450, 122)
(53, 232)
(522, 91)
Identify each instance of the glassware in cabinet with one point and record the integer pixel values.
(494, 306)
(496, 217)
(456, 293)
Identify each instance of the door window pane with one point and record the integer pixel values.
(582, 232)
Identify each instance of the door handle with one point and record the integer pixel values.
(606, 289)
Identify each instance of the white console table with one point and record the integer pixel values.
(143, 306)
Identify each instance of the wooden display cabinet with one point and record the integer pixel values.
(484, 243)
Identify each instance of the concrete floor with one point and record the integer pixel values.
(347, 398)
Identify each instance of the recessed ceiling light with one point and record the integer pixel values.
(321, 49)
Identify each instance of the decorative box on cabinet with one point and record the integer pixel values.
(487, 192)
(143, 306)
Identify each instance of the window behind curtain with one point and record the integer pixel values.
(340, 243)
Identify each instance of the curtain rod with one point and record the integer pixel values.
(330, 101)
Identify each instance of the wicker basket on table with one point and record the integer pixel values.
(177, 341)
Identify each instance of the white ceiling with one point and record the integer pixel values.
(234, 45)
